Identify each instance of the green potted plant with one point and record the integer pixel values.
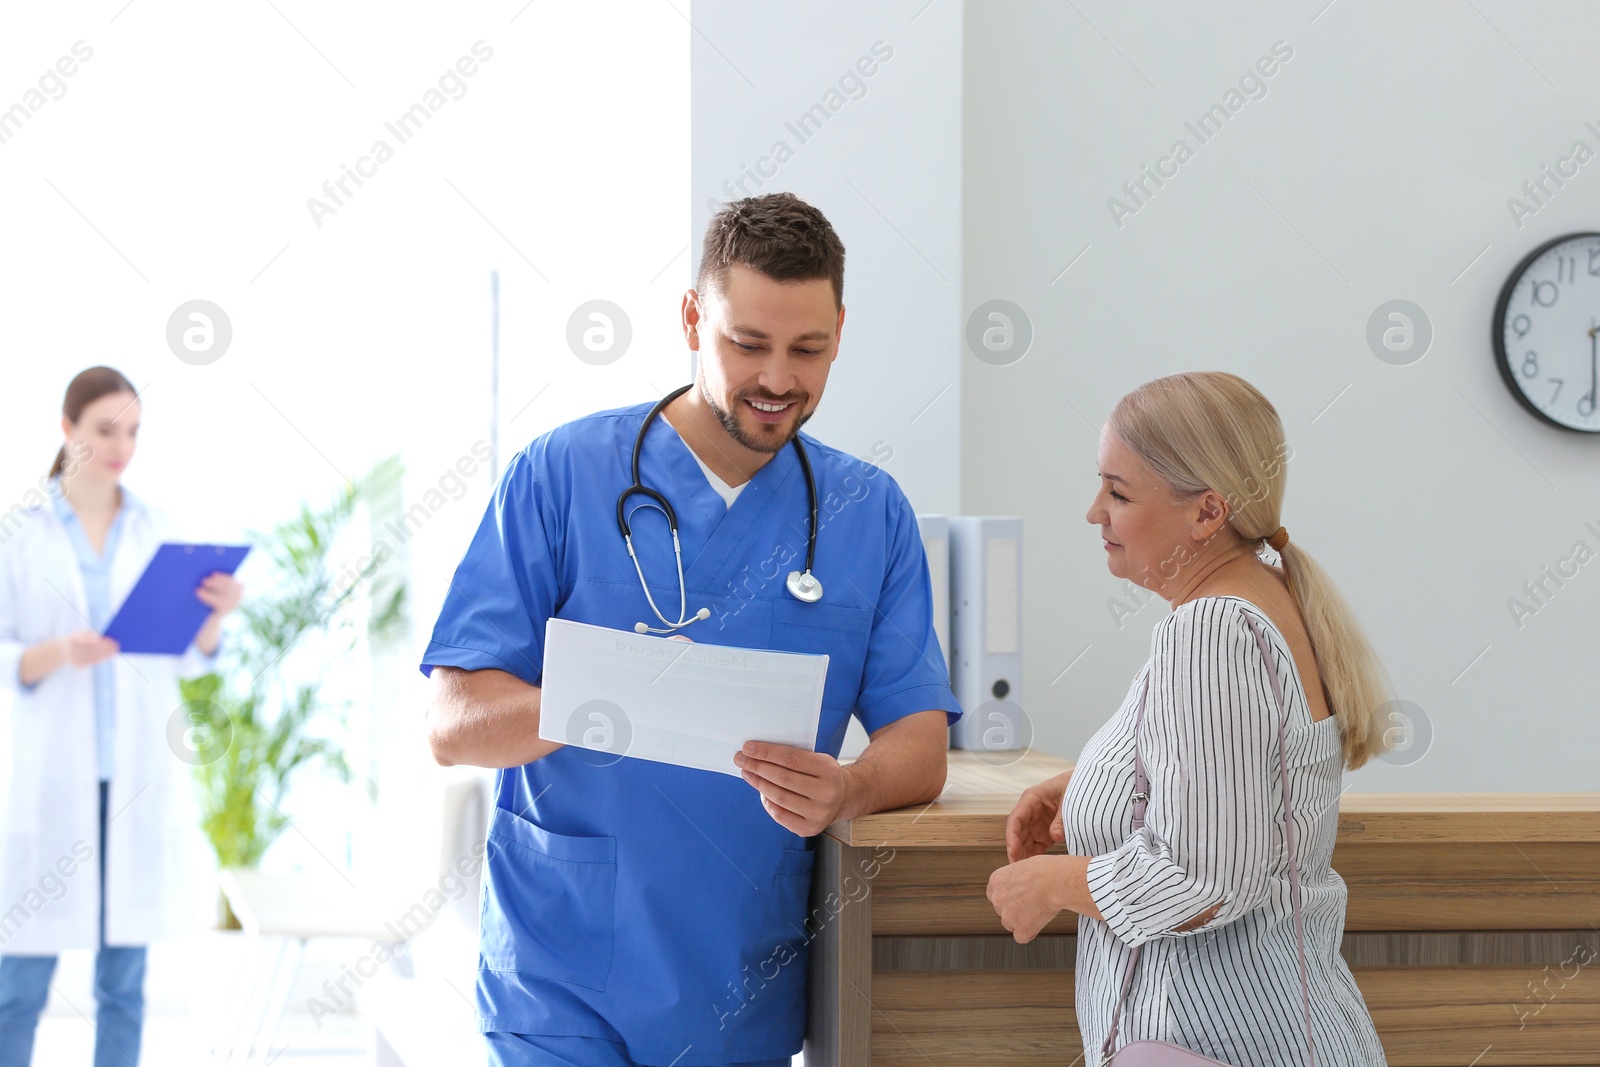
(262, 719)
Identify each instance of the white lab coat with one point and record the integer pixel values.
(49, 822)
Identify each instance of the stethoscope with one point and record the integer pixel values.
(803, 585)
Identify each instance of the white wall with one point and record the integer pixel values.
(885, 168)
(1377, 166)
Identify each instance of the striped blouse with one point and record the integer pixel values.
(1229, 988)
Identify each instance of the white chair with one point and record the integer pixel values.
(281, 913)
(422, 1009)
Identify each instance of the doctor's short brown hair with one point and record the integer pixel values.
(779, 235)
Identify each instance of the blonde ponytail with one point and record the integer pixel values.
(1214, 430)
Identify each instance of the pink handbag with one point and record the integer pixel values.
(1164, 1053)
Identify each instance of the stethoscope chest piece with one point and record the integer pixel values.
(804, 586)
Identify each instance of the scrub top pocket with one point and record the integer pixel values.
(548, 902)
(842, 634)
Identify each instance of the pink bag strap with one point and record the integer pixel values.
(1141, 794)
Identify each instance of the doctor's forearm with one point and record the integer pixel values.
(484, 718)
(904, 764)
(210, 634)
(41, 660)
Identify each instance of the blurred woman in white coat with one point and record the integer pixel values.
(98, 809)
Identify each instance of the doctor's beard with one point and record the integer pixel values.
(763, 443)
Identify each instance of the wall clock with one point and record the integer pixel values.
(1547, 332)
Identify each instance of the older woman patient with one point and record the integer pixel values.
(1191, 471)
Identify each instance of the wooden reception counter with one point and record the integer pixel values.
(1473, 930)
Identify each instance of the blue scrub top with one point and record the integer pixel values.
(637, 901)
(96, 570)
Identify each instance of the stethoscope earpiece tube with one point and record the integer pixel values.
(803, 586)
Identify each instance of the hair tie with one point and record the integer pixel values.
(1279, 538)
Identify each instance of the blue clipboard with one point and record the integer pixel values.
(161, 614)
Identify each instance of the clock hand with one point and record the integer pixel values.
(1594, 364)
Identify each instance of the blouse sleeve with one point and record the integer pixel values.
(1209, 743)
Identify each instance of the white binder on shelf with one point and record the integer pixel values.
(985, 556)
(935, 530)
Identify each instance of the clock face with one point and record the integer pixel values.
(1547, 332)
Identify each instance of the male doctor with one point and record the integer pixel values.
(636, 912)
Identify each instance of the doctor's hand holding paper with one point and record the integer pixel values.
(650, 911)
(675, 721)
(802, 791)
(99, 800)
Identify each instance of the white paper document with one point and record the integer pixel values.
(615, 694)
